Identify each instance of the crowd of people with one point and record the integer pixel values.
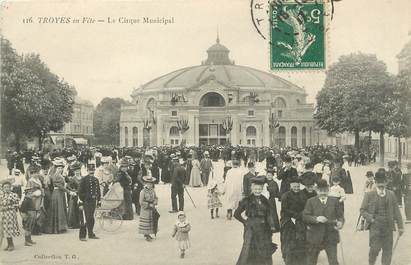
(61, 189)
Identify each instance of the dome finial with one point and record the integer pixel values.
(218, 36)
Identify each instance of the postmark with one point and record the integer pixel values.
(297, 35)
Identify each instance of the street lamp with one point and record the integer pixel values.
(147, 126)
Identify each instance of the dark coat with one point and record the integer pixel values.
(89, 189)
(179, 175)
(292, 234)
(369, 207)
(257, 245)
(318, 233)
(274, 192)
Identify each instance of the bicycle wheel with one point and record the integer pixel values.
(111, 221)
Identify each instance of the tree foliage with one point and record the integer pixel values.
(106, 121)
(35, 101)
(354, 95)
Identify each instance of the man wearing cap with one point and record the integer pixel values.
(89, 197)
(286, 173)
(323, 216)
(247, 179)
(407, 193)
(380, 209)
(292, 226)
(206, 166)
(177, 187)
(125, 181)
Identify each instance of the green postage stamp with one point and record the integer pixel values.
(297, 35)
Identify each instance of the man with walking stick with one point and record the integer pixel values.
(89, 196)
(380, 209)
(177, 187)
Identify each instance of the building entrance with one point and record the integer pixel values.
(212, 134)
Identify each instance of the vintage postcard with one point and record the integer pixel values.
(218, 132)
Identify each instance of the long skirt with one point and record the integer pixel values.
(195, 178)
(127, 204)
(257, 245)
(57, 219)
(10, 225)
(73, 213)
(146, 224)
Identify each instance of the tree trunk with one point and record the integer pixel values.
(17, 138)
(369, 145)
(41, 142)
(357, 140)
(382, 151)
(399, 151)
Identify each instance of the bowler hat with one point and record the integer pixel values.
(380, 177)
(124, 163)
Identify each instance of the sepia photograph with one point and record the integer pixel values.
(218, 132)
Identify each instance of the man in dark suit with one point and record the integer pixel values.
(324, 217)
(381, 211)
(89, 196)
(285, 174)
(177, 187)
(247, 179)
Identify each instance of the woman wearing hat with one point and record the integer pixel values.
(233, 188)
(148, 214)
(57, 214)
(125, 181)
(258, 227)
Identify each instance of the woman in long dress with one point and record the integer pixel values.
(73, 207)
(258, 247)
(195, 176)
(148, 214)
(57, 219)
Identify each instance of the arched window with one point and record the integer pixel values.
(280, 139)
(251, 135)
(293, 137)
(174, 135)
(126, 136)
(135, 136)
(303, 137)
(212, 99)
(279, 103)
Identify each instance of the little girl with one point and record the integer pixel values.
(180, 232)
(337, 191)
(213, 196)
(369, 183)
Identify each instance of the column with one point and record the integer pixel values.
(159, 130)
(130, 134)
(140, 134)
(299, 136)
(121, 136)
(266, 127)
(287, 135)
(235, 132)
(189, 135)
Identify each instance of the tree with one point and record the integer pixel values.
(399, 109)
(35, 101)
(106, 120)
(353, 96)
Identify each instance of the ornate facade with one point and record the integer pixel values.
(218, 102)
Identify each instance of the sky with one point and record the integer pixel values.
(109, 60)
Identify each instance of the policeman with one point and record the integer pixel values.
(89, 197)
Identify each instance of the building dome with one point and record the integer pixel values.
(219, 67)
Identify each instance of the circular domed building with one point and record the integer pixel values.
(217, 102)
